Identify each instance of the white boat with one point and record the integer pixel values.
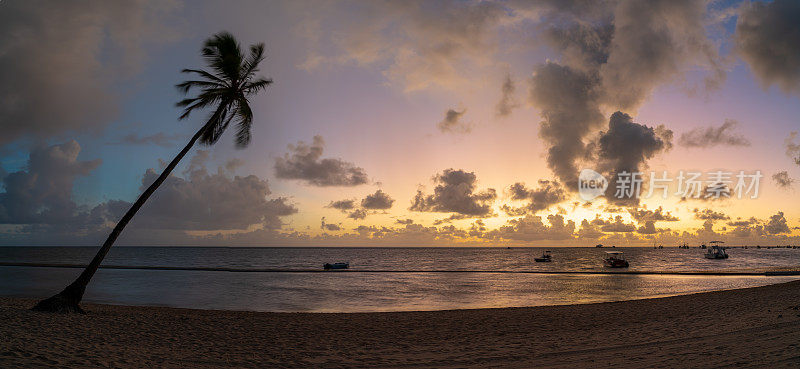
(715, 251)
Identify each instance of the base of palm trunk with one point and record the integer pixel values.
(59, 303)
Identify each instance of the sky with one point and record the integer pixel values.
(413, 123)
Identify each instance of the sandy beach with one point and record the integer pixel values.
(751, 327)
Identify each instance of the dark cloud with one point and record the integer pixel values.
(568, 101)
(40, 200)
(589, 230)
(455, 192)
(714, 136)
(453, 122)
(450, 219)
(644, 215)
(377, 201)
(404, 221)
(357, 214)
(626, 147)
(329, 226)
(204, 201)
(531, 228)
(614, 58)
(61, 64)
(304, 163)
(768, 39)
(42, 193)
(507, 101)
(649, 227)
(792, 149)
(782, 179)
(342, 205)
(541, 198)
(158, 139)
(777, 224)
(617, 224)
(708, 214)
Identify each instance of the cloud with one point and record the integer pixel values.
(42, 194)
(768, 39)
(455, 192)
(589, 230)
(158, 139)
(233, 164)
(613, 57)
(541, 198)
(708, 214)
(777, 224)
(204, 201)
(626, 147)
(404, 221)
(342, 205)
(377, 201)
(357, 214)
(568, 101)
(531, 227)
(644, 215)
(329, 226)
(782, 179)
(507, 101)
(617, 224)
(452, 122)
(415, 45)
(792, 149)
(304, 163)
(714, 136)
(60, 63)
(40, 202)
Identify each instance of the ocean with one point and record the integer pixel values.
(380, 279)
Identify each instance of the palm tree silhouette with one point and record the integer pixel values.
(226, 87)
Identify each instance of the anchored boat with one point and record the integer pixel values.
(329, 266)
(715, 251)
(615, 259)
(545, 258)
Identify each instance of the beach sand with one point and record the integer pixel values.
(750, 327)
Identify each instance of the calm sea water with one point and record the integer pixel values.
(421, 283)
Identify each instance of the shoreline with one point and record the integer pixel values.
(751, 326)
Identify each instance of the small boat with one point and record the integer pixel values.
(615, 259)
(329, 266)
(545, 258)
(715, 251)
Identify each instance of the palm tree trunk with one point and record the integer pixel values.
(68, 300)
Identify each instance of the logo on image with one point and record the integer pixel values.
(591, 184)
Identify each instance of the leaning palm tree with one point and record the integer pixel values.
(225, 88)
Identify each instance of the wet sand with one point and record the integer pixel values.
(749, 327)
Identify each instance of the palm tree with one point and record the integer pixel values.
(225, 87)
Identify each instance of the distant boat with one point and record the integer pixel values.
(599, 245)
(716, 251)
(615, 259)
(545, 258)
(329, 266)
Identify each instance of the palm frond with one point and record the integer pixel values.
(256, 86)
(227, 83)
